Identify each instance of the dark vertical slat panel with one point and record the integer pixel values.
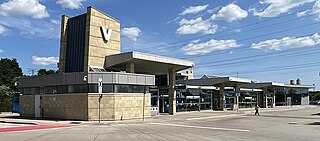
(75, 44)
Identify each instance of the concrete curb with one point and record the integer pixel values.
(17, 122)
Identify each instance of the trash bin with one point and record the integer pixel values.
(154, 111)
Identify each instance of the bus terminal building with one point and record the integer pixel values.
(97, 81)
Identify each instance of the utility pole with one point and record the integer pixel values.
(32, 70)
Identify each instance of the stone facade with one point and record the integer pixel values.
(27, 105)
(65, 106)
(63, 43)
(96, 47)
(115, 106)
(86, 106)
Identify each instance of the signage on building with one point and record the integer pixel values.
(106, 33)
(100, 85)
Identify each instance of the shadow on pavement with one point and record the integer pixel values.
(25, 119)
(314, 123)
(21, 117)
(316, 114)
(279, 116)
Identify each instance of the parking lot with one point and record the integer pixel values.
(286, 124)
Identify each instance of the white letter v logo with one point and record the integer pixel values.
(106, 33)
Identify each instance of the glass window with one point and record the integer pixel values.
(51, 90)
(107, 88)
(121, 88)
(137, 89)
(77, 88)
(42, 90)
(93, 88)
(62, 89)
(31, 90)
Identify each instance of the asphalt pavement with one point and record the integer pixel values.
(278, 124)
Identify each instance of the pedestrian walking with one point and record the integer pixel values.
(257, 109)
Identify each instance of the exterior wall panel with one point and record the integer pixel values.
(117, 106)
(27, 105)
(76, 31)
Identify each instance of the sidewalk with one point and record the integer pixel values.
(10, 118)
(277, 108)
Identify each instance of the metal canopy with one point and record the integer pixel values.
(228, 81)
(273, 84)
(261, 85)
(241, 82)
(146, 63)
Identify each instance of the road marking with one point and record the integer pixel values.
(26, 128)
(222, 116)
(202, 127)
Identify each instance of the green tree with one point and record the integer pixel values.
(50, 72)
(5, 98)
(317, 96)
(46, 72)
(9, 71)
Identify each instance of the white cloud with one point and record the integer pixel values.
(195, 48)
(192, 21)
(131, 33)
(30, 8)
(71, 4)
(44, 61)
(316, 9)
(229, 13)
(194, 9)
(1, 51)
(3, 30)
(197, 25)
(288, 42)
(31, 28)
(56, 22)
(277, 7)
(303, 13)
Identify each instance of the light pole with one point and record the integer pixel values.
(100, 95)
(199, 98)
(143, 104)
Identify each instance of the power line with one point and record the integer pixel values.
(278, 23)
(248, 58)
(271, 69)
(217, 33)
(259, 36)
(32, 70)
(281, 73)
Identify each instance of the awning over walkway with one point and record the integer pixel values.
(274, 84)
(146, 63)
(228, 81)
(241, 82)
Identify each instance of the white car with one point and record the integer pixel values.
(315, 102)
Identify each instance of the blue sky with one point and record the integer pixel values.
(265, 40)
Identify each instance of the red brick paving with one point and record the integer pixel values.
(27, 128)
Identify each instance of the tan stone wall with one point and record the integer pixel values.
(106, 107)
(115, 106)
(96, 47)
(27, 105)
(63, 44)
(65, 106)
